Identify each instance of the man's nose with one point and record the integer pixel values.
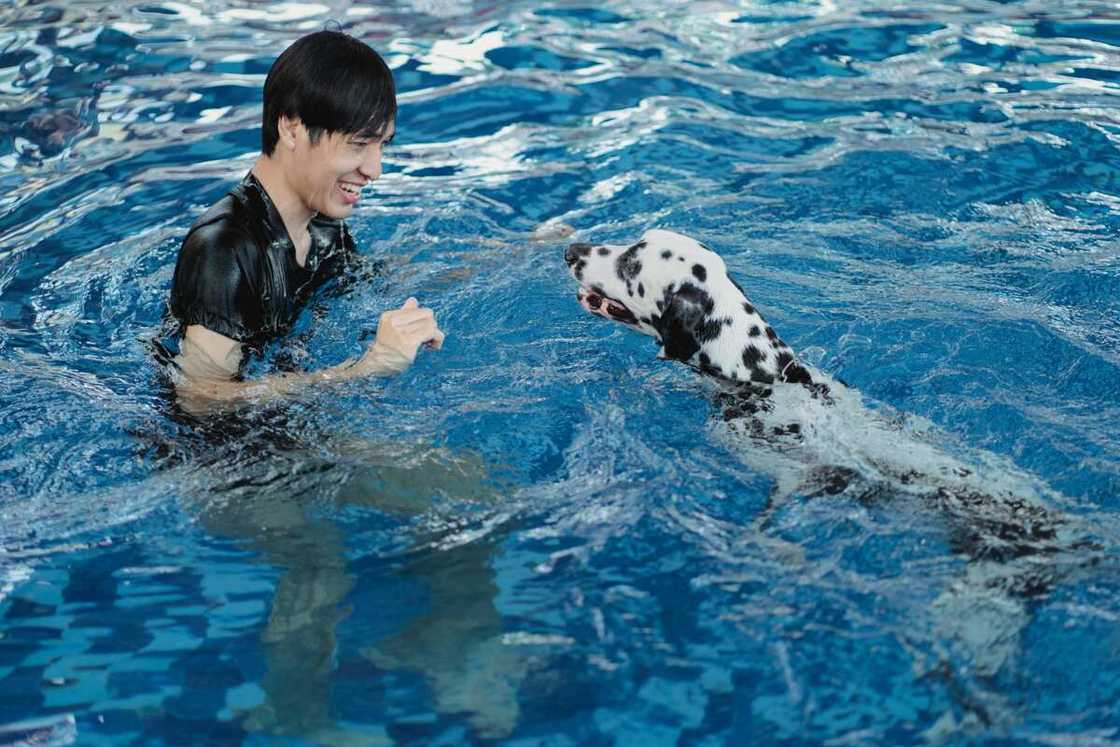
(574, 252)
(370, 167)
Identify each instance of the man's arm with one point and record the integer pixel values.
(209, 361)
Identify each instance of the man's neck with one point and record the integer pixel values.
(293, 211)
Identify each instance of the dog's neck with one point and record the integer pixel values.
(734, 342)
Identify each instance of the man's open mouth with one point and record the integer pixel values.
(606, 307)
(350, 192)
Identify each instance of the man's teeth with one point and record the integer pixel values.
(350, 188)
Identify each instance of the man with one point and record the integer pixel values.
(250, 263)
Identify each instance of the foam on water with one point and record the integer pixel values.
(882, 445)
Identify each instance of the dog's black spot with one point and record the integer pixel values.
(705, 360)
(685, 322)
(829, 479)
(709, 368)
(576, 251)
(797, 374)
(771, 333)
(791, 370)
(752, 356)
(680, 259)
(748, 308)
(641, 290)
(728, 321)
(700, 273)
(666, 254)
(754, 359)
(755, 331)
(708, 330)
(578, 268)
(760, 376)
(787, 430)
(628, 265)
(695, 294)
(604, 251)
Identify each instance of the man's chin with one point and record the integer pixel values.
(336, 211)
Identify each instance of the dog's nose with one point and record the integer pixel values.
(575, 252)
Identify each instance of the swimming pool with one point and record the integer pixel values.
(542, 534)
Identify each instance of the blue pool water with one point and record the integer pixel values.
(542, 534)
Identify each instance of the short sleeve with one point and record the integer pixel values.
(214, 283)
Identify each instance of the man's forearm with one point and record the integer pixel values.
(202, 385)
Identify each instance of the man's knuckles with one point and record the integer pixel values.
(408, 316)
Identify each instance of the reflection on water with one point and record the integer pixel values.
(543, 530)
(273, 504)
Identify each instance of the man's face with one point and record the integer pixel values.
(329, 174)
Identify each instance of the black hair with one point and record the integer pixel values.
(333, 83)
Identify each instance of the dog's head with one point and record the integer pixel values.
(677, 290)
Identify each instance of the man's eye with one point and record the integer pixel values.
(360, 144)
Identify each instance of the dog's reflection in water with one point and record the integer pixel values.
(277, 500)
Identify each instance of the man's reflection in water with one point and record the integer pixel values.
(268, 490)
(457, 642)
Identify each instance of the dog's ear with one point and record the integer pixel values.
(677, 327)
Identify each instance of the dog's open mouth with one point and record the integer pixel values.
(606, 307)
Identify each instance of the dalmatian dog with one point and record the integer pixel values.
(676, 290)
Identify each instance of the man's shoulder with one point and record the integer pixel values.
(229, 226)
(234, 213)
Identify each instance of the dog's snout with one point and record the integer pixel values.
(575, 252)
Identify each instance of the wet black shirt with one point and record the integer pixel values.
(237, 274)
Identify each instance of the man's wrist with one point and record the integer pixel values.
(386, 360)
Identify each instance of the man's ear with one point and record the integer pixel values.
(677, 327)
(288, 128)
